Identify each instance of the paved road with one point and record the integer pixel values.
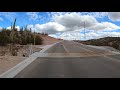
(86, 62)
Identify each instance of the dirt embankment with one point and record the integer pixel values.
(107, 41)
(49, 40)
(8, 61)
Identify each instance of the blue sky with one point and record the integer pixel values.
(66, 25)
(22, 18)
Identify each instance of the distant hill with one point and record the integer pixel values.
(107, 41)
(49, 40)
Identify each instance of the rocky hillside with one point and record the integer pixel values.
(107, 41)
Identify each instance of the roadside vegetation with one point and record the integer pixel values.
(107, 41)
(12, 38)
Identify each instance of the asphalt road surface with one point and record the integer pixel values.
(85, 62)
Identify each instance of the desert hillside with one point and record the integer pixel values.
(22, 49)
(107, 41)
(8, 61)
(49, 40)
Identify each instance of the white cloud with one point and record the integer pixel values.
(1, 19)
(53, 35)
(69, 35)
(75, 19)
(110, 26)
(75, 35)
(9, 15)
(114, 16)
(95, 14)
(29, 26)
(9, 27)
(104, 26)
(51, 27)
(18, 28)
(103, 34)
(70, 25)
(32, 27)
(33, 15)
(0, 28)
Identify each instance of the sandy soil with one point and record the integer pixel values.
(7, 61)
(50, 40)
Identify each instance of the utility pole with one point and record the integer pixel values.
(34, 37)
(30, 46)
(84, 32)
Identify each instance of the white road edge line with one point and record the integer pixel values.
(113, 59)
(16, 69)
(97, 46)
(65, 48)
(20, 66)
(42, 51)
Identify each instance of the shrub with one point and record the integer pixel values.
(38, 40)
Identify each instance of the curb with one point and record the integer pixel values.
(16, 69)
(11, 73)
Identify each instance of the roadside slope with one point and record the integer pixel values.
(107, 41)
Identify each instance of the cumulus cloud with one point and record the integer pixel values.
(69, 35)
(75, 35)
(75, 20)
(51, 27)
(63, 22)
(104, 26)
(93, 14)
(71, 24)
(114, 16)
(18, 28)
